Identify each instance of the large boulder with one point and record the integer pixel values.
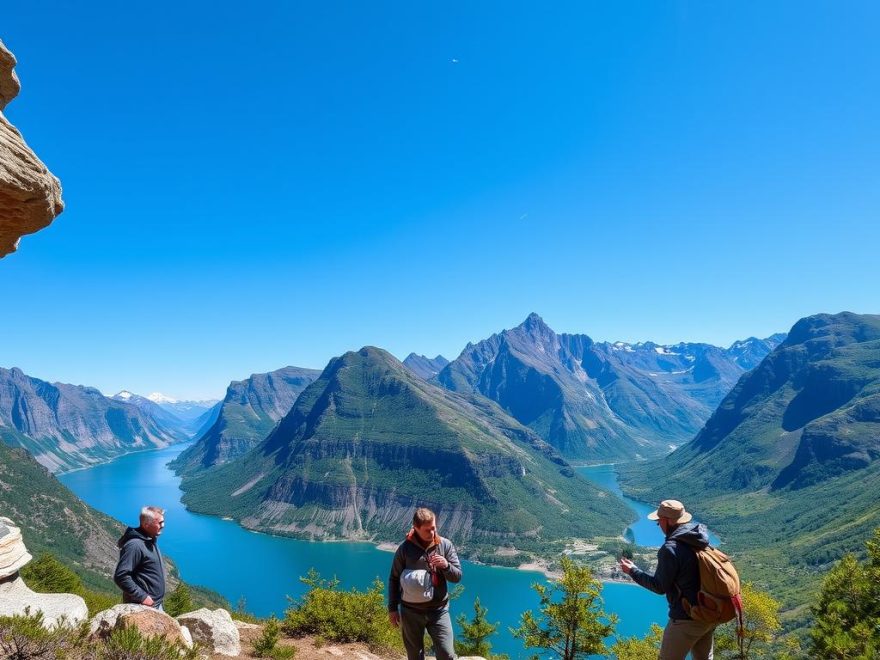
(153, 623)
(213, 628)
(30, 196)
(149, 621)
(17, 598)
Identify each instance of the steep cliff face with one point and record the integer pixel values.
(30, 196)
(370, 440)
(247, 414)
(69, 426)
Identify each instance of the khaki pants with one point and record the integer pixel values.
(683, 635)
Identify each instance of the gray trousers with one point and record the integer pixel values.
(683, 635)
(414, 623)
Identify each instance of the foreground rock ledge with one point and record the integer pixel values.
(30, 196)
(17, 598)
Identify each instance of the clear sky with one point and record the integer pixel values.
(252, 185)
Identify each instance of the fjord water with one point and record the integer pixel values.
(264, 569)
(642, 531)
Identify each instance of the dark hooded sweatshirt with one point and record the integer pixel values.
(677, 574)
(140, 571)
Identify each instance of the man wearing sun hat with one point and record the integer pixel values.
(677, 576)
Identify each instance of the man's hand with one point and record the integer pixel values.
(438, 561)
(626, 565)
(148, 601)
(394, 618)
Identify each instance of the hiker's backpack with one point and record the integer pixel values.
(719, 599)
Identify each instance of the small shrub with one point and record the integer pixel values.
(341, 616)
(179, 601)
(23, 637)
(240, 612)
(128, 644)
(267, 645)
(47, 575)
(636, 648)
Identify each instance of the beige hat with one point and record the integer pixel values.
(673, 510)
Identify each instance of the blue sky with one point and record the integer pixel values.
(251, 187)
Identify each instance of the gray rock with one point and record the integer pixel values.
(57, 609)
(213, 628)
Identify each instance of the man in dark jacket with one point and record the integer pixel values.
(140, 572)
(418, 596)
(677, 576)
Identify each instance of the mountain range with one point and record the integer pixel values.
(247, 414)
(601, 401)
(423, 366)
(187, 418)
(70, 426)
(369, 440)
(787, 469)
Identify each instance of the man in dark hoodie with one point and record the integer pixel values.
(418, 597)
(140, 572)
(677, 576)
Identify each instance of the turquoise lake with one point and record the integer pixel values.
(264, 570)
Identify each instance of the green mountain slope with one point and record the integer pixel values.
(787, 468)
(53, 519)
(249, 411)
(370, 440)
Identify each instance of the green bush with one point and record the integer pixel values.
(267, 644)
(638, 648)
(47, 575)
(341, 616)
(179, 601)
(23, 637)
(128, 644)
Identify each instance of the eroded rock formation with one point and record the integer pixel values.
(16, 598)
(30, 196)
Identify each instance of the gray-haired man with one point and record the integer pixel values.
(140, 572)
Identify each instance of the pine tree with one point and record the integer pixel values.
(847, 614)
(570, 621)
(49, 576)
(179, 601)
(474, 637)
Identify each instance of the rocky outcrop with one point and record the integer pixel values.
(16, 598)
(30, 196)
(148, 621)
(214, 629)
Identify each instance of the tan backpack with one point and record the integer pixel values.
(719, 599)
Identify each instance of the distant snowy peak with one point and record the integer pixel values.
(124, 395)
(158, 397)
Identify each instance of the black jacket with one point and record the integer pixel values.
(677, 574)
(140, 571)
